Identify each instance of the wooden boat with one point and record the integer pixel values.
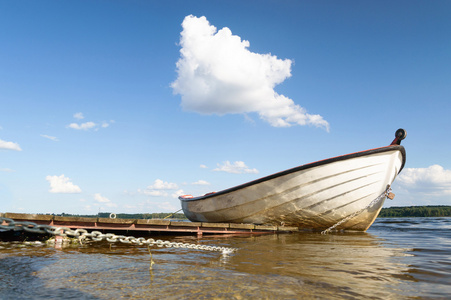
(344, 192)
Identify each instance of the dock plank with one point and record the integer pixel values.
(266, 227)
(116, 221)
(75, 219)
(150, 225)
(242, 226)
(153, 222)
(216, 225)
(186, 224)
(28, 217)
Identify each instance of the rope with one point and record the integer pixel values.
(172, 214)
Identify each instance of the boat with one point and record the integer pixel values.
(345, 192)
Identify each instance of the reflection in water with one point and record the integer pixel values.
(339, 265)
(386, 263)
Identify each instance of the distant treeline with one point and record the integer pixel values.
(132, 216)
(415, 211)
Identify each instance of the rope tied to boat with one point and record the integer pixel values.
(83, 235)
(386, 194)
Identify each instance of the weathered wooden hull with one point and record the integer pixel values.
(313, 196)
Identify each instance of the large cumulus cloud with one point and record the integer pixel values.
(217, 74)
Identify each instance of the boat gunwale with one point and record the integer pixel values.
(304, 167)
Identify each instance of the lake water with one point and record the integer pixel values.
(396, 258)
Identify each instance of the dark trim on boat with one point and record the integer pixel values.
(307, 166)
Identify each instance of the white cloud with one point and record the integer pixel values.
(237, 167)
(159, 188)
(104, 200)
(431, 181)
(217, 74)
(162, 185)
(62, 185)
(201, 182)
(82, 126)
(6, 170)
(203, 167)
(177, 193)
(9, 146)
(88, 125)
(106, 124)
(50, 137)
(79, 116)
(99, 198)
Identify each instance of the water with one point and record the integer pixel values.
(396, 258)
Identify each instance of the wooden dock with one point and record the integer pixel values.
(148, 226)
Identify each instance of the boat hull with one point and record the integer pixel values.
(314, 196)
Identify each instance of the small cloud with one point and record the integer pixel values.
(106, 124)
(82, 126)
(177, 193)
(203, 167)
(162, 185)
(50, 137)
(62, 185)
(159, 188)
(7, 170)
(88, 125)
(201, 182)
(237, 167)
(104, 200)
(9, 146)
(217, 74)
(79, 116)
(99, 198)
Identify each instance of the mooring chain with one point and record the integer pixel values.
(97, 236)
(26, 226)
(385, 194)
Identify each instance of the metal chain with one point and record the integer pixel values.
(380, 197)
(97, 236)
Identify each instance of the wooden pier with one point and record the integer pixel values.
(148, 226)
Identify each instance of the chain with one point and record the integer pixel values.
(380, 197)
(82, 235)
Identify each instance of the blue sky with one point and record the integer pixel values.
(115, 106)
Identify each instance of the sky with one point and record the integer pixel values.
(122, 106)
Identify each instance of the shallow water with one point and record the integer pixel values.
(396, 258)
